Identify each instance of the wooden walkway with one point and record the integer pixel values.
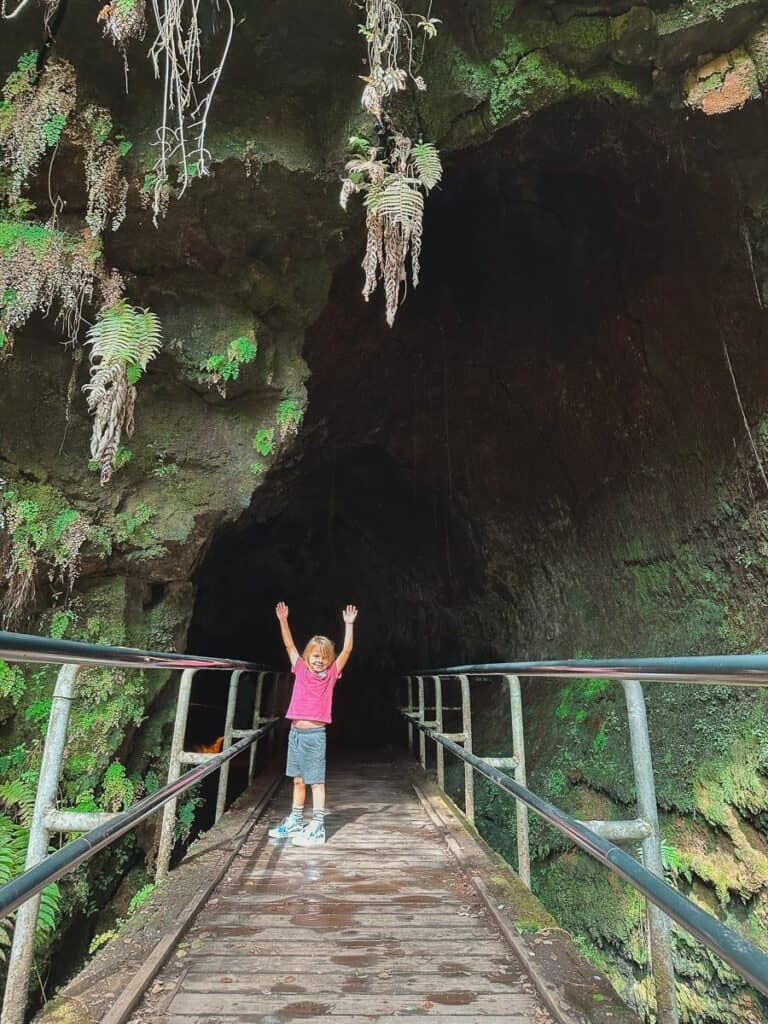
(377, 924)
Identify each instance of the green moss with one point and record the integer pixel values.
(584, 33)
(607, 85)
(536, 81)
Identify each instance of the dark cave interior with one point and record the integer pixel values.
(561, 356)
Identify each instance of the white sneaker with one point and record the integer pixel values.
(312, 835)
(289, 826)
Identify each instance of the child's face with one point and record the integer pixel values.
(318, 660)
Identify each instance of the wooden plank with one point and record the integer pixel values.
(355, 964)
(255, 982)
(256, 1018)
(454, 1002)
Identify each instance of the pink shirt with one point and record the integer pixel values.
(312, 693)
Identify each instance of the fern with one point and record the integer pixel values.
(19, 794)
(427, 163)
(397, 198)
(125, 334)
(123, 340)
(14, 839)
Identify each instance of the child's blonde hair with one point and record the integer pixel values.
(324, 644)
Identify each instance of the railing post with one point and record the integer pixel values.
(174, 770)
(20, 962)
(518, 751)
(469, 778)
(256, 722)
(439, 748)
(275, 697)
(410, 708)
(229, 724)
(422, 719)
(659, 932)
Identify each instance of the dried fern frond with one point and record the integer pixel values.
(391, 184)
(123, 341)
(34, 114)
(106, 185)
(124, 21)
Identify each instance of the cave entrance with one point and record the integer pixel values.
(578, 275)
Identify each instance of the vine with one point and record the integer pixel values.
(394, 175)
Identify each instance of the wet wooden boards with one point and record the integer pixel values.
(377, 925)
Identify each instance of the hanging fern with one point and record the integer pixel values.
(397, 198)
(123, 341)
(392, 177)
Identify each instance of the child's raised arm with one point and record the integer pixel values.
(349, 615)
(281, 611)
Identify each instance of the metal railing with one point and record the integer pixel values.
(41, 868)
(597, 837)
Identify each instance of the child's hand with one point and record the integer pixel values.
(349, 614)
(281, 611)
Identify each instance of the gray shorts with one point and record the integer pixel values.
(306, 755)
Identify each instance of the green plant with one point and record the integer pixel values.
(12, 683)
(391, 178)
(123, 456)
(117, 792)
(41, 529)
(102, 938)
(128, 524)
(264, 441)
(185, 818)
(140, 898)
(257, 468)
(61, 620)
(223, 367)
(164, 469)
(289, 416)
(123, 341)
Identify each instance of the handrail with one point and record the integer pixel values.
(740, 669)
(745, 958)
(23, 892)
(26, 648)
(36, 878)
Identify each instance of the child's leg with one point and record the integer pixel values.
(294, 822)
(300, 794)
(318, 798)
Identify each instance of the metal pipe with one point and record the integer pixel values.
(74, 821)
(25, 648)
(746, 959)
(20, 961)
(518, 749)
(23, 888)
(466, 724)
(229, 724)
(174, 770)
(741, 669)
(632, 831)
(659, 932)
(439, 751)
(422, 719)
(255, 722)
(410, 712)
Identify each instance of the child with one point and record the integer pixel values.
(309, 711)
